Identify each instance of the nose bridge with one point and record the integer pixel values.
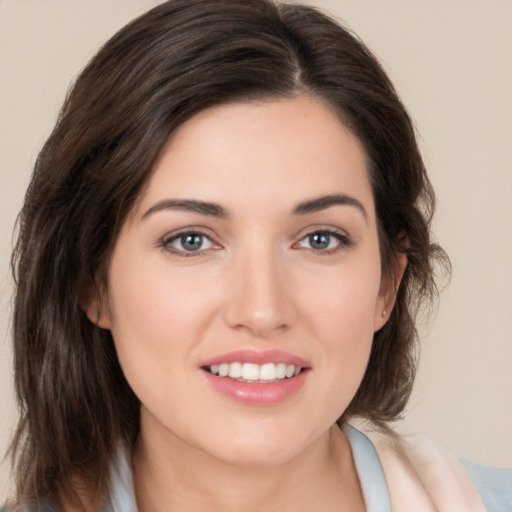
(259, 297)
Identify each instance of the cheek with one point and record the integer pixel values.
(156, 332)
(345, 324)
(150, 303)
(155, 329)
(344, 304)
(342, 313)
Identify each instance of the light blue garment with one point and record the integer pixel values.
(494, 486)
(122, 495)
(369, 470)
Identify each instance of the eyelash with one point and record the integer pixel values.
(344, 242)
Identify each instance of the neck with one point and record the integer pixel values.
(180, 477)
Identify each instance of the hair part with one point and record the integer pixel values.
(176, 60)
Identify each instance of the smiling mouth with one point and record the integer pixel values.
(251, 372)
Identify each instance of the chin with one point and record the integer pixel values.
(261, 446)
(259, 456)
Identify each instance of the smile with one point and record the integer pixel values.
(252, 372)
(257, 378)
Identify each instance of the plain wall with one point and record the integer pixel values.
(451, 63)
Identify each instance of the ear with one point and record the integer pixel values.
(388, 290)
(95, 303)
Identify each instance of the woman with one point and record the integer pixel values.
(219, 261)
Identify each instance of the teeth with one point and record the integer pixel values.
(250, 371)
(254, 372)
(290, 369)
(281, 371)
(268, 372)
(223, 370)
(235, 370)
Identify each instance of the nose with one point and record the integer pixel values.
(260, 296)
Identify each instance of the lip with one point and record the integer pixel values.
(257, 357)
(257, 393)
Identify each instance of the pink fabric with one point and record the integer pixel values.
(422, 476)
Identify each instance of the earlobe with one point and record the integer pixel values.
(388, 292)
(96, 307)
(401, 259)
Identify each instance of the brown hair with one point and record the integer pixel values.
(176, 60)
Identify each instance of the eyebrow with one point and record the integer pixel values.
(324, 202)
(215, 210)
(190, 205)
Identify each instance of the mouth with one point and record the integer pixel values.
(255, 373)
(260, 378)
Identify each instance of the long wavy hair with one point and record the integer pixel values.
(160, 70)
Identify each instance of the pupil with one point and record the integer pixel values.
(192, 242)
(319, 241)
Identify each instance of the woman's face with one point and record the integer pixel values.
(253, 252)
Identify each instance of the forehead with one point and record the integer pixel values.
(252, 152)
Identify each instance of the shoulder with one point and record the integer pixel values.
(493, 484)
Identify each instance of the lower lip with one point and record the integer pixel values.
(257, 393)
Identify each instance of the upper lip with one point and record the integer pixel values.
(257, 357)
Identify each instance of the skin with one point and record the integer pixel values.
(256, 282)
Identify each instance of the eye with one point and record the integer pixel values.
(187, 243)
(324, 241)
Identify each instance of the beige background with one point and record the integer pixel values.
(452, 63)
